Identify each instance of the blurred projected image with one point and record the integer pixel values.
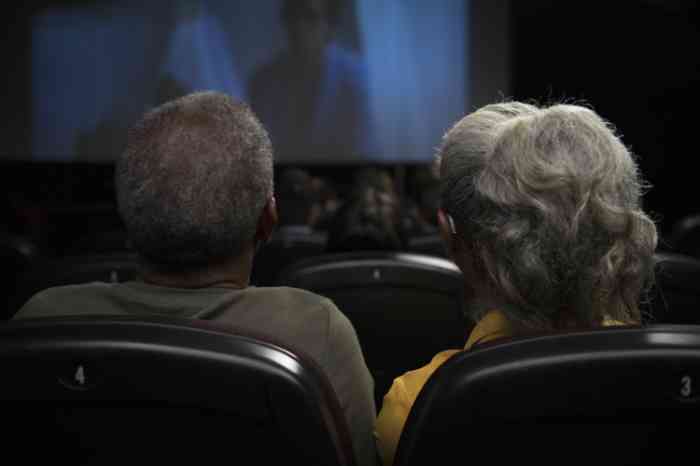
(333, 81)
(313, 95)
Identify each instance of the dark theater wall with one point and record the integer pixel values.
(636, 63)
(14, 79)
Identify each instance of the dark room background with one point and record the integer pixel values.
(633, 61)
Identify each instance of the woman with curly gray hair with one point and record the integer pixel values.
(541, 210)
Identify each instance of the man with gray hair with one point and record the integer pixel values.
(195, 191)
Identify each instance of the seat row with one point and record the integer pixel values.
(404, 307)
(119, 390)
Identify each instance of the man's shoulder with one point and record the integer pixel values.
(78, 291)
(65, 300)
(292, 297)
(293, 308)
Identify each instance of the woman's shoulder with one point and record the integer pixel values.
(414, 380)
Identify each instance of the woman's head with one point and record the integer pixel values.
(546, 204)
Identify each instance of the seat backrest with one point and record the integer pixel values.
(17, 255)
(284, 249)
(674, 296)
(429, 244)
(685, 236)
(125, 391)
(114, 240)
(609, 396)
(404, 307)
(73, 270)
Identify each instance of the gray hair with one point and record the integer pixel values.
(548, 202)
(193, 181)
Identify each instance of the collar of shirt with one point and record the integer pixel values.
(493, 325)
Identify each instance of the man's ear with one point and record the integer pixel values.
(267, 221)
(448, 232)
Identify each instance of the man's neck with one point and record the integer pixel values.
(231, 274)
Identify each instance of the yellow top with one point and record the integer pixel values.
(404, 391)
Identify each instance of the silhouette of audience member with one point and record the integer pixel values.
(420, 224)
(427, 187)
(313, 96)
(296, 200)
(295, 238)
(327, 200)
(541, 210)
(368, 221)
(376, 178)
(405, 218)
(195, 191)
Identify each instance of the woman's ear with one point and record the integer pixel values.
(446, 224)
(448, 232)
(462, 252)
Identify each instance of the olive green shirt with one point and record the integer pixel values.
(299, 318)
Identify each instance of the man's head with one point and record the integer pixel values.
(546, 208)
(194, 181)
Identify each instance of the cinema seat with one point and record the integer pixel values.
(17, 255)
(614, 396)
(162, 391)
(73, 270)
(429, 244)
(676, 291)
(404, 307)
(286, 246)
(685, 236)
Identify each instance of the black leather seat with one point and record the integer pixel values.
(286, 246)
(162, 391)
(17, 255)
(685, 236)
(611, 396)
(404, 307)
(100, 242)
(674, 296)
(429, 244)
